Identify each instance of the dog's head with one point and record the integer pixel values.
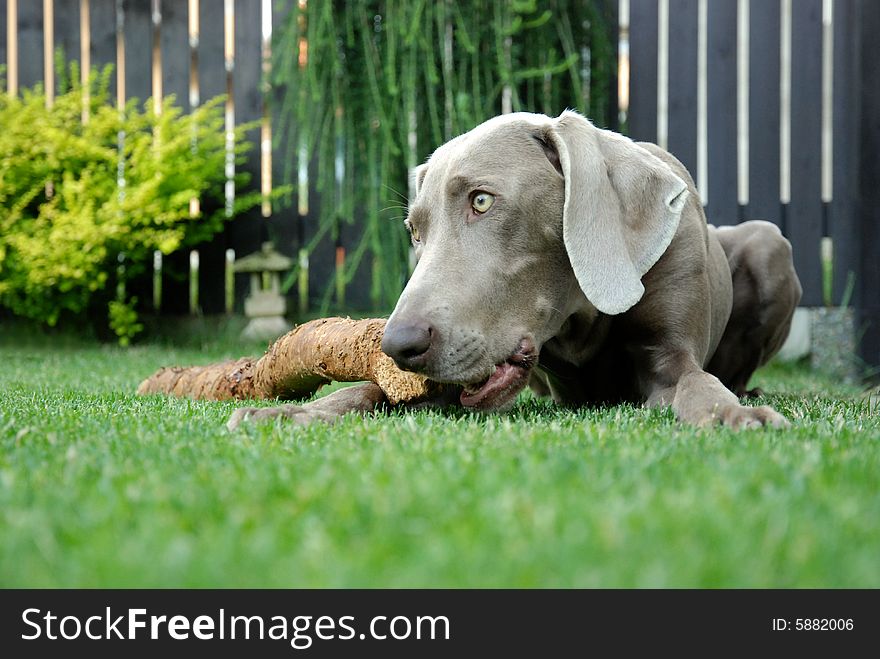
(516, 225)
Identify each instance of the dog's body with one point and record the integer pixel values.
(568, 257)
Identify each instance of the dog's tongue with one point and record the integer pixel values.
(482, 396)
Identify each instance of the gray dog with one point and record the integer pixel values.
(555, 254)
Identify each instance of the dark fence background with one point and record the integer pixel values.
(801, 217)
(850, 212)
(697, 41)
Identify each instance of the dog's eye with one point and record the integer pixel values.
(482, 202)
(413, 232)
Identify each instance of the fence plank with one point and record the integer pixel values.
(3, 37)
(138, 34)
(178, 292)
(642, 118)
(721, 112)
(248, 101)
(246, 231)
(30, 43)
(212, 83)
(102, 23)
(67, 28)
(248, 63)
(284, 218)
(805, 209)
(138, 46)
(683, 82)
(869, 190)
(764, 26)
(175, 51)
(843, 218)
(212, 76)
(609, 12)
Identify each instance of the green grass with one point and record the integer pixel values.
(100, 488)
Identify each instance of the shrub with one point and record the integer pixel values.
(75, 195)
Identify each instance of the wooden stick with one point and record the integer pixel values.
(298, 364)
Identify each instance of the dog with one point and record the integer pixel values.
(561, 256)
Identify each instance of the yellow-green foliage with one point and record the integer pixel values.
(64, 220)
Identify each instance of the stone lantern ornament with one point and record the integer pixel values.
(265, 306)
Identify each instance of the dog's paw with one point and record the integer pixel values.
(240, 415)
(300, 414)
(740, 417)
(756, 392)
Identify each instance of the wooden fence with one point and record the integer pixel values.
(771, 104)
(773, 107)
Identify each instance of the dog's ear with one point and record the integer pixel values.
(622, 208)
(416, 178)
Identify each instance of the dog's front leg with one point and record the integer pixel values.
(360, 399)
(357, 399)
(699, 398)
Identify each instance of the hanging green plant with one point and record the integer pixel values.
(370, 87)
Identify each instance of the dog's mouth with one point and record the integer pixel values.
(509, 378)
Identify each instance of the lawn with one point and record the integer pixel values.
(100, 488)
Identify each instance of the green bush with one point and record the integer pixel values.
(65, 219)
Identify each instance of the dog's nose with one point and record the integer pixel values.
(408, 343)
